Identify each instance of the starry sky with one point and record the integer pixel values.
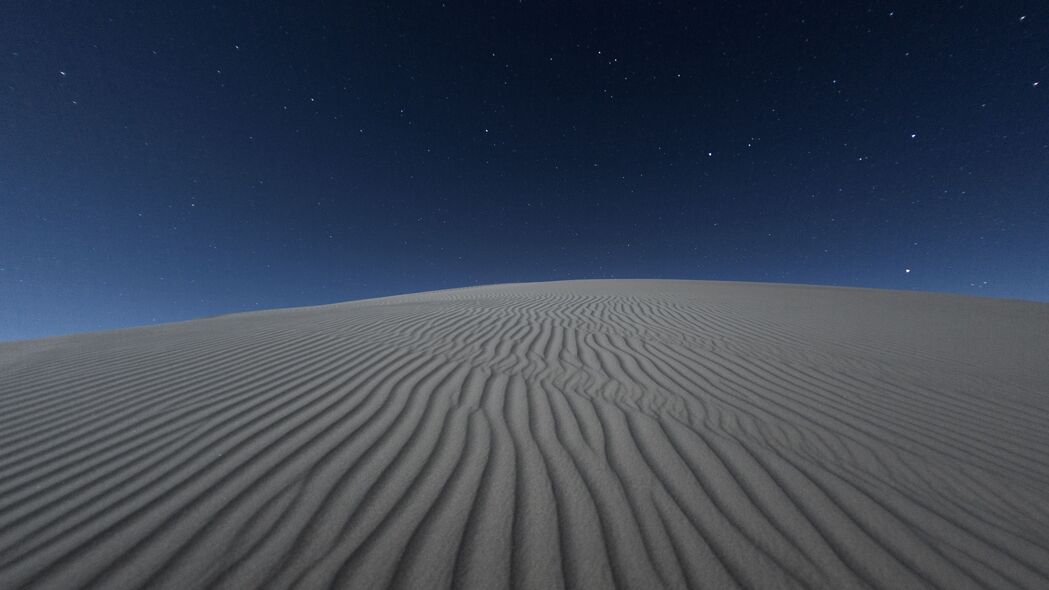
(162, 161)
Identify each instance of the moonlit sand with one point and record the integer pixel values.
(585, 434)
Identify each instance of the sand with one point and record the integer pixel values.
(582, 434)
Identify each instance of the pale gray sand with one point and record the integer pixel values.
(589, 434)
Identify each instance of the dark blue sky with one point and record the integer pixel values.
(179, 159)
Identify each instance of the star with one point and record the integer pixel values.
(907, 271)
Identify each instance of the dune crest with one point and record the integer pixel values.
(580, 434)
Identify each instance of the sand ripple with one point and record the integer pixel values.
(591, 434)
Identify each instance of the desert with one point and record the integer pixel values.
(578, 434)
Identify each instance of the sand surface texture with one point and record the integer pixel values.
(586, 434)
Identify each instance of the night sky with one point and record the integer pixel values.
(162, 161)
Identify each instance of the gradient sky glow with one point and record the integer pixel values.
(166, 161)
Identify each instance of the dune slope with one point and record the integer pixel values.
(583, 434)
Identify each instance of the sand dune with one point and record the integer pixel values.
(585, 434)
